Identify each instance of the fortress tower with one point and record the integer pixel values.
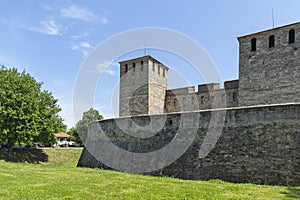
(257, 144)
(269, 73)
(143, 85)
(269, 66)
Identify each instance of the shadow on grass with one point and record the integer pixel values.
(293, 192)
(23, 155)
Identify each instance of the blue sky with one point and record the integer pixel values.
(50, 39)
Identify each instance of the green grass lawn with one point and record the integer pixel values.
(57, 177)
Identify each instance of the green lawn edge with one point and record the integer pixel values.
(57, 177)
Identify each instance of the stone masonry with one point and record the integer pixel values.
(269, 72)
(258, 144)
(269, 69)
(143, 90)
(143, 84)
(260, 137)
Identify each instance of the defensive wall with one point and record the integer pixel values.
(208, 96)
(259, 141)
(258, 144)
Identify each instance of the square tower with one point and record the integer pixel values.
(269, 66)
(143, 85)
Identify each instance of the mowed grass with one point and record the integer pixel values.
(59, 178)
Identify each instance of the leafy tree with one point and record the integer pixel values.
(51, 125)
(82, 125)
(27, 113)
(74, 135)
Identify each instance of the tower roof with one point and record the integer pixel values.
(144, 57)
(270, 30)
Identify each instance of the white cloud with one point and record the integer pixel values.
(84, 47)
(111, 72)
(104, 20)
(102, 68)
(80, 36)
(77, 13)
(48, 8)
(49, 27)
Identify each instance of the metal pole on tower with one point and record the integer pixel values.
(273, 18)
(145, 49)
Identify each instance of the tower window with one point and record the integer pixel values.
(292, 36)
(253, 44)
(158, 70)
(142, 65)
(133, 66)
(126, 68)
(153, 67)
(271, 41)
(163, 72)
(234, 97)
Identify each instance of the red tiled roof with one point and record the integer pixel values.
(62, 135)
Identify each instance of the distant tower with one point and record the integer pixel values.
(269, 66)
(143, 85)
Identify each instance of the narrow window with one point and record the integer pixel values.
(234, 97)
(158, 69)
(163, 72)
(126, 68)
(142, 65)
(202, 99)
(253, 44)
(271, 41)
(170, 122)
(292, 36)
(174, 102)
(133, 66)
(153, 67)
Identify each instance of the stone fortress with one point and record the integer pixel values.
(260, 140)
(269, 73)
(143, 90)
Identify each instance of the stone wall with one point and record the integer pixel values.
(208, 96)
(134, 90)
(158, 84)
(258, 145)
(267, 74)
(143, 85)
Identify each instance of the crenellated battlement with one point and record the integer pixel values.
(259, 141)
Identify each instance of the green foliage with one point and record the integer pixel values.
(27, 113)
(74, 136)
(82, 125)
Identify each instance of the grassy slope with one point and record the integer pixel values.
(64, 181)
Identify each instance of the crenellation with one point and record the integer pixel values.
(260, 139)
(208, 87)
(181, 91)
